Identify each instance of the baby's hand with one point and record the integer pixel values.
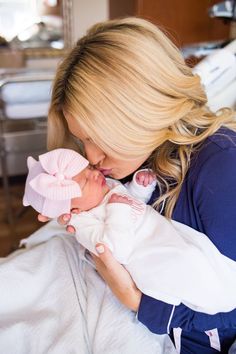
(116, 198)
(145, 177)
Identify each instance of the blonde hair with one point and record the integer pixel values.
(130, 90)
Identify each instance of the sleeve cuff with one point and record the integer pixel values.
(155, 315)
(139, 191)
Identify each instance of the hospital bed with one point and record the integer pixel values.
(218, 75)
(24, 102)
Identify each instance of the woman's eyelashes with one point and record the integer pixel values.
(76, 139)
(81, 140)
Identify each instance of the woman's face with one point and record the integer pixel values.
(108, 165)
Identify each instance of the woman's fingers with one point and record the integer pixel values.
(43, 218)
(70, 229)
(105, 259)
(64, 219)
(117, 278)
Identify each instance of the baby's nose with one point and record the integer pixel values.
(95, 174)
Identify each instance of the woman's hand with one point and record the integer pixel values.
(117, 278)
(114, 274)
(62, 220)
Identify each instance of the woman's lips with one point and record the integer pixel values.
(104, 181)
(105, 172)
(101, 179)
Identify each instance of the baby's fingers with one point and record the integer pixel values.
(140, 178)
(145, 180)
(152, 177)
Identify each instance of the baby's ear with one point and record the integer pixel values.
(31, 162)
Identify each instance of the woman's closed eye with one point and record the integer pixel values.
(81, 141)
(76, 139)
(87, 141)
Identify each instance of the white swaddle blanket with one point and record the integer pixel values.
(53, 301)
(167, 260)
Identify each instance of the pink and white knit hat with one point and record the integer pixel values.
(49, 186)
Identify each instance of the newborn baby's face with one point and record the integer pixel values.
(93, 187)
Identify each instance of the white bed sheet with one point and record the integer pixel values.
(225, 98)
(53, 301)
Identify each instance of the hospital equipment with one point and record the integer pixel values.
(24, 102)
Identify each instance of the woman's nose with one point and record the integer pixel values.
(94, 154)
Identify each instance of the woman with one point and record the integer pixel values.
(126, 96)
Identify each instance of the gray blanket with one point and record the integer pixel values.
(52, 300)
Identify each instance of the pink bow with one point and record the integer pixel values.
(60, 166)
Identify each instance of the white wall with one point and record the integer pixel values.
(85, 13)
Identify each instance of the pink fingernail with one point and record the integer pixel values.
(70, 229)
(100, 249)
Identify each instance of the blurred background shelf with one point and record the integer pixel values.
(25, 224)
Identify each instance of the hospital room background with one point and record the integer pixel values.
(34, 37)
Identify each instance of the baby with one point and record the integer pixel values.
(167, 260)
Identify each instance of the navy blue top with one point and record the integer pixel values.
(207, 203)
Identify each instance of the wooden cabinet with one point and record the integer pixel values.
(186, 21)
